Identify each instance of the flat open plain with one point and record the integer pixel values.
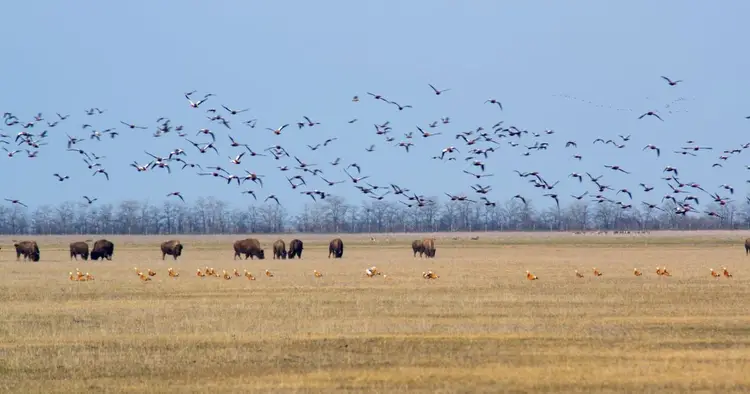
(480, 327)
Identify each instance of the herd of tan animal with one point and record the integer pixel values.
(370, 272)
(660, 271)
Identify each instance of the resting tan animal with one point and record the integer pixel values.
(372, 271)
(430, 275)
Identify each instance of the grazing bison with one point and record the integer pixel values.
(417, 247)
(429, 247)
(172, 247)
(336, 247)
(29, 250)
(102, 249)
(79, 249)
(250, 247)
(295, 249)
(279, 250)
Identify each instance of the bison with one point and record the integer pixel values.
(102, 249)
(429, 247)
(250, 247)
(79, 249)
(295, 249)
(172, 247)
(279, 250)
(29, 250)
(336, 248)
(418, 247)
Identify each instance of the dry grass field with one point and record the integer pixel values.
(480, 327)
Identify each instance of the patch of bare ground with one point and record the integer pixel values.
(480, 327)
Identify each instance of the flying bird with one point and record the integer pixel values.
(16, 202)
(671, 82)
(438, 92)
(493, 101)
(132, 126)
(89, 200)
(651, 113)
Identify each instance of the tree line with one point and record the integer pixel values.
(209, 215)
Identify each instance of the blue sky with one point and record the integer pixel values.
(285, 59)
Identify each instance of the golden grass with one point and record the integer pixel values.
(481, 327)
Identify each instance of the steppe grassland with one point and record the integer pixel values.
(480, 327)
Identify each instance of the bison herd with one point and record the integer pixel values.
(250, 247)
(102, 249)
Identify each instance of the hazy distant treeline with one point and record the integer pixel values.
(334, 215)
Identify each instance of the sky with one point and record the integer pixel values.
(584, 69)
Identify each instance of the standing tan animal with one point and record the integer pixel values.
(79, 248)
(29, 250)
(336, 248)
(103, 249)
(279, 250)
(295, 249)
(417, 247)
(429, 247)
(172, 248)
(250, 247)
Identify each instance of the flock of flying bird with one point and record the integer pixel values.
(478, 143)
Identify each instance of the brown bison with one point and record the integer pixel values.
(336, 248)
(747, 246)
(429, 247)
(250, 247)
(29, 250)
(295, 249)
(417, 247)
(279, 250)
(79, 249)
(102, 249)
(173, 248)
